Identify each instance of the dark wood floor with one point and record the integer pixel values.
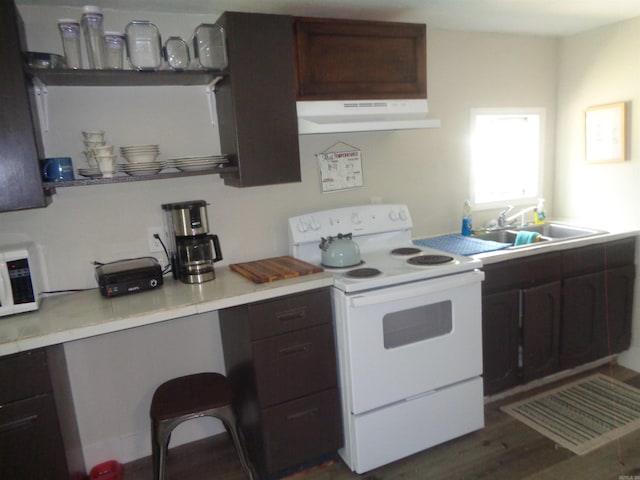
(504, 450)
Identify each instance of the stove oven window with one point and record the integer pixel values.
(417, 324)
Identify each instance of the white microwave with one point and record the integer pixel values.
(20, 279)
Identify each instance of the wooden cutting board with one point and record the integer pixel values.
(276, 268)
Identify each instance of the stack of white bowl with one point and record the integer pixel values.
(141, 160)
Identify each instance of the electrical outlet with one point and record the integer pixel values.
(154, 244)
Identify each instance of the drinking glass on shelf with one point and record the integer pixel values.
(93, 32)
(70, 34)
(113, 50)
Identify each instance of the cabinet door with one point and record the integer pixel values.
(30, 441)
(349, 59)
(583, 319)
(541, 313)
(20, 181)
(256, 103)
(619, 300)
(500, 340)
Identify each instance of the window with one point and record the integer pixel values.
(507, 148)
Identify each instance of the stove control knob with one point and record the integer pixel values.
(355, 219)
(302, 226)
(314, 224)
(403, 215)
(393, 216)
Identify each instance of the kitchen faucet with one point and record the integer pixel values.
(504, 221)
(502, 217)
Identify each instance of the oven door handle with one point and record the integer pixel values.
(426, 287)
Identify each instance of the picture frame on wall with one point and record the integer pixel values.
(605, 133)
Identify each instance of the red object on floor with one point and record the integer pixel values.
(110, 470)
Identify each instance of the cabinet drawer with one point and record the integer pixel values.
(621, 252)
(290, 313)
(30, 440)
(301, 430)
(522, 272)
(579, 261)
(294, 365)
(23, 375)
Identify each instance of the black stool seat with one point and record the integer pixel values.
(184, 398)
(190, 394)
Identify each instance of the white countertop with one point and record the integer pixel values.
(544, 247)
(72, 316)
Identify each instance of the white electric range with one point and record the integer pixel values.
(408, 334)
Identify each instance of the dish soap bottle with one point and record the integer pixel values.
(539, 215)
(467, 228)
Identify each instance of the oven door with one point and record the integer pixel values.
(408, 340)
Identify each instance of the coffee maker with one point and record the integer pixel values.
(193, 250)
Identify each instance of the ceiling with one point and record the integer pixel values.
(539, 17)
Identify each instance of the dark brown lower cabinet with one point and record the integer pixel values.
(38, 432)
(541, 313)
(30, 440)
(500, 340)
(551, 312)
(583, 319)
(597, 315)
(280, 358)
(619, 305)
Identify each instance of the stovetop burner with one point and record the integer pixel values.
(365, 272)
(405, 251)
(430, 260)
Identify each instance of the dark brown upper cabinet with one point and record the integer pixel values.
(256, 103)
(20, 181)
(354, 59)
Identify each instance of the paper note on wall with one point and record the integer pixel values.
(340, 168)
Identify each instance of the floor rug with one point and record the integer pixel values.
(582, 415)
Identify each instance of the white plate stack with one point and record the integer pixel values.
(193, 164)
(142, 160)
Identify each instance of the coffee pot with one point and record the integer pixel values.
(193, 249)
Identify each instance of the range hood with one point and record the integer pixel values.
(363, 116)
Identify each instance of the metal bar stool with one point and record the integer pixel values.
(185, 398)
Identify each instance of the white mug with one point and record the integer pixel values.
(107, 164)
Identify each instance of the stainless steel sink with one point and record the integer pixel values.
(559, 231)
(549, 232)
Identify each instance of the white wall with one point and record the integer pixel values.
(597, 68)
(112, 376)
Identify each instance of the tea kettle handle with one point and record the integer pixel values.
(216, 247)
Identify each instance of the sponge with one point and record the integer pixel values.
(524, 238)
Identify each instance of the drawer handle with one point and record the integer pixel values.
(18, 423)
(303, 347)
(305, 413)
(297, 314)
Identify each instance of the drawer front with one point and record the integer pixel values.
(579, 261)
(302, 430)
(522, 272)
(294, 365)
(23, 375)
(290, 313)
(621, 252)
(30, 441)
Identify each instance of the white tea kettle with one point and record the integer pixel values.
(340, 251)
